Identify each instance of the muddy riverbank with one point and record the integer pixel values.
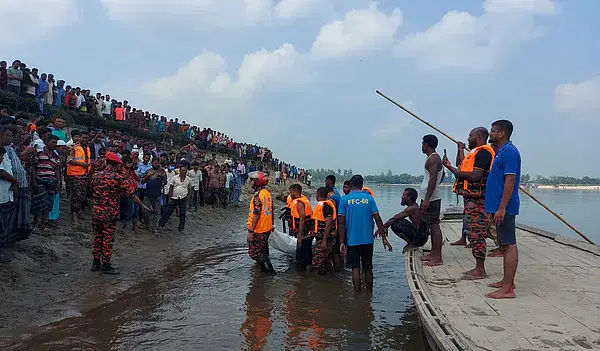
(46, 278)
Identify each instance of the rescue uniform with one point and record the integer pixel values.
(108, 187)
(261, 205)
(304, 251)
(321, 256)
(476, 224)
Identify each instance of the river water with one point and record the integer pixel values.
(216, 299)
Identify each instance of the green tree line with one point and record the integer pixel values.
(383, 178)
(558, 180)
(405, 178)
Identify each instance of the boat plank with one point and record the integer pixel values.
(556, 308)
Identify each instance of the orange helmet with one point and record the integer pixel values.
(261, 180)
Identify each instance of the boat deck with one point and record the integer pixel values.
(557, 304)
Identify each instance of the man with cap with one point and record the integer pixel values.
(260, 223)
(108, 187)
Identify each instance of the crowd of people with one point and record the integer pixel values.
(487, 177)
(51, 94)
(129, 180)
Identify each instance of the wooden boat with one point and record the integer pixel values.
(557, 304)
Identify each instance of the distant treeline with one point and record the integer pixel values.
(558, 180)
(383, 178)
(405, 178)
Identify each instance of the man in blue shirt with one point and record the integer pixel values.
(355, 220)
(330, 182)
(502, 203)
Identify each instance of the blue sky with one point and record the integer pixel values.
(300, 75)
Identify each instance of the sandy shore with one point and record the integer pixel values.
(46, 278)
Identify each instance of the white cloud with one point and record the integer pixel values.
(361, 31)
(205, 92)
(27, 20)
(462, 40)
(201, 14)
(191, 13)
(293, 9)
(207, 74)
(579, 100)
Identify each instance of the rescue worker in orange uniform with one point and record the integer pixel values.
(471, 178)
(78, 167)
(260, 224)
(300, 211)
(324, 229)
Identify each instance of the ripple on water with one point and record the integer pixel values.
(217, 299)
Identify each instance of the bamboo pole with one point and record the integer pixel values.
(559, 217)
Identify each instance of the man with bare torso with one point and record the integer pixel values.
(408, 224)
(432, 199)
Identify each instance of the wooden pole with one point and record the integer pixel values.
(520, 186)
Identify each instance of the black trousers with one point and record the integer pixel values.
(179, 203)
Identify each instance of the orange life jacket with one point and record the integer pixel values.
(473, 189)
(288, 201)
(319, 218)
(367, 189)
(80, 156)
(294, 211)
(265, 220)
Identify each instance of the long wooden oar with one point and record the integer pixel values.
(520, 186)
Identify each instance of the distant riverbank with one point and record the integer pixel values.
(529, 186)
(570, 187)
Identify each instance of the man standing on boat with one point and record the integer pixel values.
(471, 178)
(432, 199)
(502, 203)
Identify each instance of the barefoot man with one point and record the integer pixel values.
(432, 199)
(357, 213)
(408, 224)
(502, 203)
(470, 183)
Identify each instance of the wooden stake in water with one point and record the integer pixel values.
(520, 187)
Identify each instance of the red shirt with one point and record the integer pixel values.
(119, 114)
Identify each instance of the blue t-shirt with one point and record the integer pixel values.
(358, 207)
(154, 187)
(336, 198)
(507, 161)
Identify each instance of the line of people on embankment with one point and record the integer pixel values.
(487, 177)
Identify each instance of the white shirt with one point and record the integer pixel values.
(31, 88)
(196, 178)
(50, 94)
(80, 100)
(106, 107)
(180, 188)
(228, 178)
(168, 184)
(6, 195)
(99, 107)
(277, 174)
(435, 195)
